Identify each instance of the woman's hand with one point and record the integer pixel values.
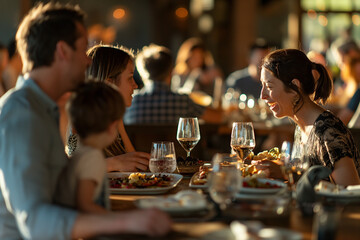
(272, 169)
(129, 162)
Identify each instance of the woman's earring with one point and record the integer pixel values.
(296, 100)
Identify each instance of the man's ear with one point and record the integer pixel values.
(62, 50)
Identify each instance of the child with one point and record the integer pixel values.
(95, 111)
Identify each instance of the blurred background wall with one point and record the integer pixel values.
(228, 27)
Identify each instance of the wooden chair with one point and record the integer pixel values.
(356, 135)
(142, 135)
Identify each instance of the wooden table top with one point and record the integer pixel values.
(218, 227)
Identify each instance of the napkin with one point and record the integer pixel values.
(355, 189)
(327, 187)
(305, 187)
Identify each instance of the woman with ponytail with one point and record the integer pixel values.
(294, 87)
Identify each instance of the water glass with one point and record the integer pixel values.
(225, 180)
(162, 159)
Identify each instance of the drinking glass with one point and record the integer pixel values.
(225, 179)
(162, 159)
(188, 133)
(295, 161)
(242, 139)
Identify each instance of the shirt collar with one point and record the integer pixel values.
(155, 86)
(42, 99)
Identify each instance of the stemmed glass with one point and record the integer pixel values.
(295, 161)
(242, 139)
(162, 157)
(224, 180)
(188, 133)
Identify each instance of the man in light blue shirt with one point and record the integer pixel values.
(52, 41)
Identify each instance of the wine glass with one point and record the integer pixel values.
(162, 157)
(188, 133)
(242, 139)
(224, 180)
(295, 161)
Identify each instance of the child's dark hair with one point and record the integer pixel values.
(93, 107)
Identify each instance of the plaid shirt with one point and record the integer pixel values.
(156, 103)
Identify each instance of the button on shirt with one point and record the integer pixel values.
(156, 103)
(31, 159)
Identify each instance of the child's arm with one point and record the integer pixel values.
(84, 198)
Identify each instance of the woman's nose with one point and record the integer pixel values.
(263, 94)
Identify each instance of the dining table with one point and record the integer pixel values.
(216, 224)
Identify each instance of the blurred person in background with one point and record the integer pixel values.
(156, 103)
(351, 70)
(4, 59)
(195, 70)
(247, 80)
(344, 50)
(13, 69)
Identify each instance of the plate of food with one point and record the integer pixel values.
(199, 179)
(327, 189)
(254, 185)
(142, 182)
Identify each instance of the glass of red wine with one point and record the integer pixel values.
(188, 133)
(242, 139)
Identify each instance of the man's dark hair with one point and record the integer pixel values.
(93, 107)
(12, 48)
(259, 43)
(42, 28)
(154, 62)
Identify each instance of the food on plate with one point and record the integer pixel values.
(272, 154)
(201, 177)
(188, 165)
(253, 172)
(141, 180)
(325, 186)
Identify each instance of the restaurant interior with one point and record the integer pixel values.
(228, 30)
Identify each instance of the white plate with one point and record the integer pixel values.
(341, 194)
(250, 190)
(279, 233)
(176, 178)
(192, 185)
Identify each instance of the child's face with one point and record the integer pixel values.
(127, 83)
